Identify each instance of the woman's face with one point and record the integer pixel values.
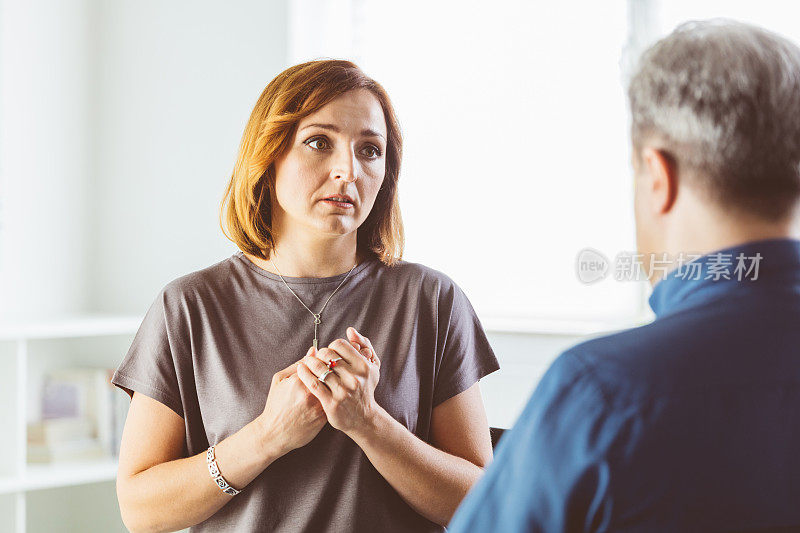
(340, 150)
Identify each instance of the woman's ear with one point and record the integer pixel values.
(659, 179)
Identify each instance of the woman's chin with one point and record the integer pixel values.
(337, 230)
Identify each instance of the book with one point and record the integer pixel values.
(82, 415)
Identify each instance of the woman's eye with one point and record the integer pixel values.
(317, 143)
(371, 151)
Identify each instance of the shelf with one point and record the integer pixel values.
(70, 326)
(48, 476)
(546, 326)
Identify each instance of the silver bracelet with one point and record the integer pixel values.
(213, 469)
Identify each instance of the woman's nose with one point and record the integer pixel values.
(344, 166)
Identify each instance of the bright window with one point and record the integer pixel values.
(516, 141)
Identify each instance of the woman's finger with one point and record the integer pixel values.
(342, 348)
(314, 385)
(342, 371)
(357, 338)
(318, 368)
(364, 343)
(327, 355)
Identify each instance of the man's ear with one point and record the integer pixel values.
(661, 179)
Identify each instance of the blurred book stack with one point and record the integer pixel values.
(82, 416)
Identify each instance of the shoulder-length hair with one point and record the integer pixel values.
(295, 93)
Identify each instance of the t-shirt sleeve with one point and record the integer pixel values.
(465, 354)
(149, 366)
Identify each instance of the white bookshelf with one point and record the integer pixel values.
(37, 498)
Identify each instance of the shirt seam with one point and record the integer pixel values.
(301, 281)
(587, 371)
(438, 367)
(135, 381)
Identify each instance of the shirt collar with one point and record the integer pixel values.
(704, 279)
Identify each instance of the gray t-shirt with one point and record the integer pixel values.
(211, 341)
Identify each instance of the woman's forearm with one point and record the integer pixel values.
(431, 481)
(181, 493)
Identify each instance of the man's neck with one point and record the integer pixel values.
(708, 231)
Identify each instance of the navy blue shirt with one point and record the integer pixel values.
(690, 423)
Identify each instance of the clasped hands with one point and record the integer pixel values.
(347, 395)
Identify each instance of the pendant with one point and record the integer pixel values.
(317, 321)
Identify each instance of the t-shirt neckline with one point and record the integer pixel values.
(289, 279)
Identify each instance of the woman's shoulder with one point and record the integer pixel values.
(409, 272)
(199, 282)
(428, 284)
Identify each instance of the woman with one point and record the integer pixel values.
(381, 426)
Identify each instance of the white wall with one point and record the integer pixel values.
(46, 56)
(119, 124)
(176, 83)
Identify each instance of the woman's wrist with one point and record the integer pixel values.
(269, 442)
(370, 425)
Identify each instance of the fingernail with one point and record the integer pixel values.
(310, 351)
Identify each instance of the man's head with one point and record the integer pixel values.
(715, 112)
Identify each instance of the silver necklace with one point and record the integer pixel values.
(317, 316)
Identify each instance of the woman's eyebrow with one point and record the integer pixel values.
(332, 127)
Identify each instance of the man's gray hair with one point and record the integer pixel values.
(722, 99)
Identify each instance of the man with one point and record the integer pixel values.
(690, 423)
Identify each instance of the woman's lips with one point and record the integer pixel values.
(342, 205)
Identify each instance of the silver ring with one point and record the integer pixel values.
(325, 375)
(328, 364)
